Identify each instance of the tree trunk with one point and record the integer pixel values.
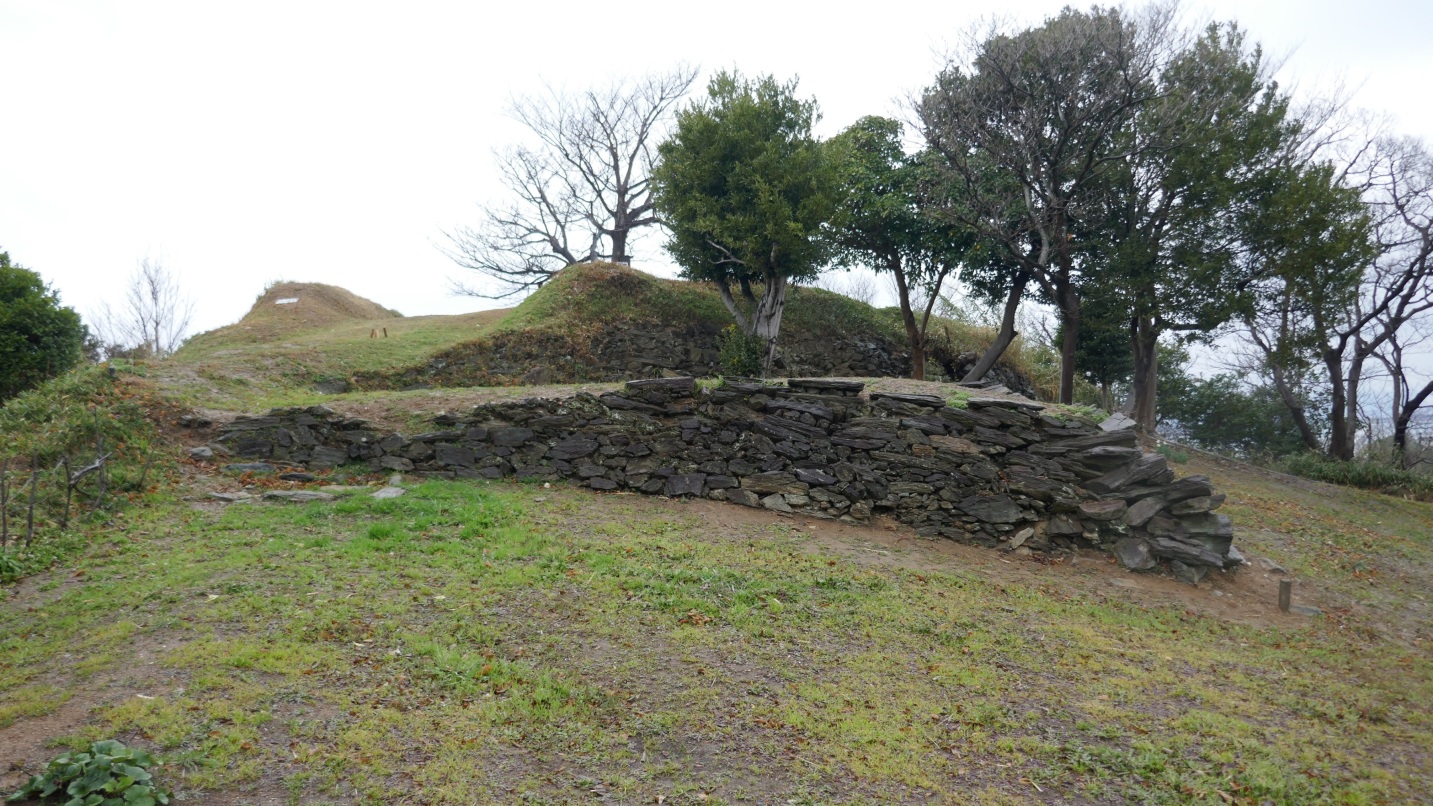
(1404, 418)
(1144, 339)
(1005, 336)
(766, 322)
(619, 246)
(908, 317)
(1070, 318)
(1340, 434)
(1295, 407)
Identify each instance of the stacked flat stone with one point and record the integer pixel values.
(996, 472)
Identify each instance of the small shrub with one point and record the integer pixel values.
(741, 353)
(1175, 456)
(108, 774)
(1369, 475)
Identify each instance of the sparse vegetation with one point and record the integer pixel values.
(371, 650)
(1367, 474)
(741, 353)
(63, 426)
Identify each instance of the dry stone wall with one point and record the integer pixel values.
(996, 472)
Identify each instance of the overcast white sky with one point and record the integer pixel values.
(331, 142)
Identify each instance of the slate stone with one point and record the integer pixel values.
(231, 498)
(1207, 524)
(1103, 511)
(1143, 510)
(389, 492)
(776, 502)
(1203, 503)
(746, 498)
(454, 455)
(685, 484)
(969, 419)
(903, 488)
(676, 387)
(721, 482)
(776, 482)
(1234, 558)
(600, 483)
(572, 448)
(927, 401)
(1117, 422)
(1107, 456)
(395, 463)
(990, 436)
(1191, 574)
(1177, 550)
(440, 436)
(1146, 466)
(817, 411)
(249, 467)
(992, 508)
(201, 453)
(1064, 524)
(820, 385)
(298, 475)
(297, 496)
(510, 437)
(814, 476)
(324, 457)
(1135, 554)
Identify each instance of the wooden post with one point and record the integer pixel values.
(385, 332)
(1286, 594)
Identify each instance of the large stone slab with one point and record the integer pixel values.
(297, 496)
(685, 484)
(676, 387)
(998, 508)
(1135, 554)
(774, 482)
(1147, 466)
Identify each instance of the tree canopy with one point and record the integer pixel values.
(39, 337)
(883, 222)
(746, 190)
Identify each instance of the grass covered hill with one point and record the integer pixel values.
(603, 322)
(507, 642)
(593, 322)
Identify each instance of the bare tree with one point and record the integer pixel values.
(1406, 397)
(580, 192)
(1316, 313)
(151, 319)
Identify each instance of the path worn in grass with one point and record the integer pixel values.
(510, 643)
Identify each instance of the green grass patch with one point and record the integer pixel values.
(472, 643)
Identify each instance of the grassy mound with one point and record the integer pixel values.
(287, 308)
(602, 321)
(605, 293)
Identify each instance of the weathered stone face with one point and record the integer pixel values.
(997, 473)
